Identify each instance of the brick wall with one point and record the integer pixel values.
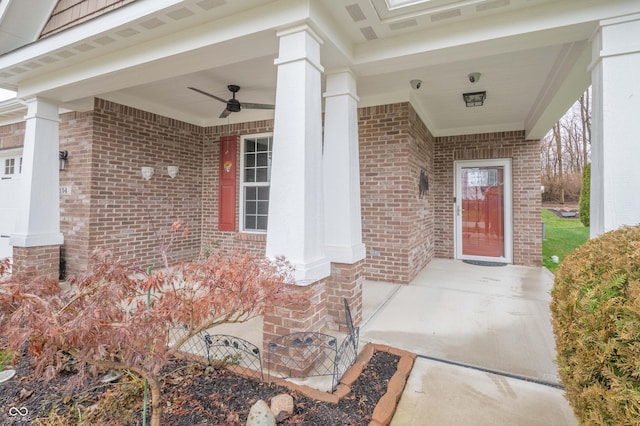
(76, 133)
(525, 157)
(107, 147)
(43, 261)
(12, 135)
(397, 222)
(129, 215)
(306, 315)
(421, 206)
(345, 283)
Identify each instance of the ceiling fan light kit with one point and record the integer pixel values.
(233, 105)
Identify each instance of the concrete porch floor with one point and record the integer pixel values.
(484, 342)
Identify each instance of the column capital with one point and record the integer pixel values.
(302, 28)
(615, 37)
(299, 43)
(42, 109)
(341, 82)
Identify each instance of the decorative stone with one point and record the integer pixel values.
(282, 406)
(260, 415)
(6, 375)
(111, 376)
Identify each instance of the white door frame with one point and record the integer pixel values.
(508, 208)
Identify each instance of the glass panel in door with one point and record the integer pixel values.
(482, 191)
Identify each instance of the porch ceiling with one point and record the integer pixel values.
(532, 55)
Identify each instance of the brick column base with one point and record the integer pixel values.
(309, 315)
(43, 261)
(345, 282)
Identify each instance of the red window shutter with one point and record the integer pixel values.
(227, 188)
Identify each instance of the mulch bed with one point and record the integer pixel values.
(192, 395)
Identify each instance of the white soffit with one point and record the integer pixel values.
(21, 21)
(432, 11)
(136, 23)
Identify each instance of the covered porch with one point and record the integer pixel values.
(360, 148)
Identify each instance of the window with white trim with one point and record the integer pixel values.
(10, 166)
(255, 177)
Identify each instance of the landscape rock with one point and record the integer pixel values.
(260, 415)
(282, 406)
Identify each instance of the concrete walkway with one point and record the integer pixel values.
(484, 343)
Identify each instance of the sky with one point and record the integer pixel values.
(6, 94)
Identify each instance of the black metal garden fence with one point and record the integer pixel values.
(223, 350)
(295, 355)
(308, 354)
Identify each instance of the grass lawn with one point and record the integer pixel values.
(562, 236)
(6, 357)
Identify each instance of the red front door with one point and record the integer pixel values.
(482, 211)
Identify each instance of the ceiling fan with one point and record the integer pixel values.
(233, 105)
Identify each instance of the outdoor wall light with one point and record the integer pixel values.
(62, 156)
(172, 171)
(474, 99)
(147, 172)
(474, 77)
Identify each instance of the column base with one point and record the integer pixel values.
(309, 315)
(42, 261)
(345, 282)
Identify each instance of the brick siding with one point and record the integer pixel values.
(117, 209)
(527, 202)
(76, 135)
(345, 283)
(397, 223)
(109, 205)
(307, 315)
(12, 135)
(43, 261)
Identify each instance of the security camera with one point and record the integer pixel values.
(474, 77)
(415, 84)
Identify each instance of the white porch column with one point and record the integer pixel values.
(343, 217)
(296, 214)
(615, 198)
(38, 222)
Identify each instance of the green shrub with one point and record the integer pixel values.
(585, 196)
(595, 311)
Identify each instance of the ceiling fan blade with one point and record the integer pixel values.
(225, 113)
(249, 105)
(208, 94)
